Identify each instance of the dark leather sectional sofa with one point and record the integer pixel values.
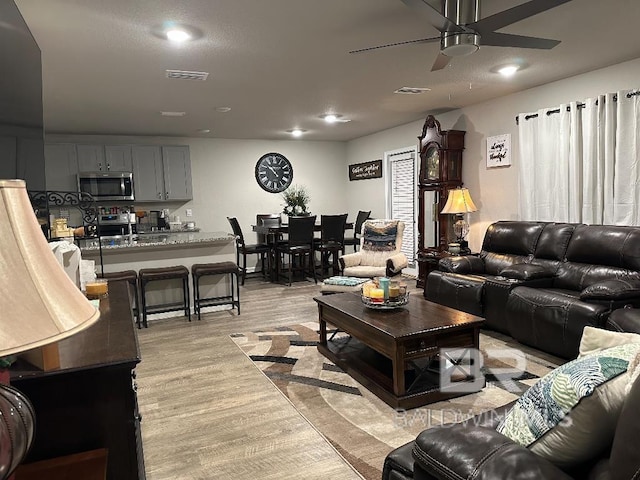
(542, 283)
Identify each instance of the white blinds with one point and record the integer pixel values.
(402, 171)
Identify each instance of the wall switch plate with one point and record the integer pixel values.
(189, 212)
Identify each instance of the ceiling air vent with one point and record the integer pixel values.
(412, 90)
(185, 75)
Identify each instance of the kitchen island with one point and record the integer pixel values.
(160, 249)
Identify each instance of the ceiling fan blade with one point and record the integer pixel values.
(441, 62)
(408, 42)
(513, 15)
(509, 40)
(436, 18)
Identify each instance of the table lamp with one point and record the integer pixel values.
(459, 203)
(39, 305)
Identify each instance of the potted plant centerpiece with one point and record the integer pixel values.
(296, 201)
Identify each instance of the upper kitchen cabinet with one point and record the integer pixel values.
(177, 172)
(61, 167)
(104, 158)
(161, 173)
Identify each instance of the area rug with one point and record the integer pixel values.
(360, 426)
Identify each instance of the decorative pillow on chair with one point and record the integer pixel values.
(380, 241)
(570, 414)
(380, 238)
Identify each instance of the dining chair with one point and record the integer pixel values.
(271, 239)
(357, 230)
(331, 241)
(268, 220)
(298, 249)
(260, 249)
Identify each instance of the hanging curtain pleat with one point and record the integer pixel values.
(625, 181)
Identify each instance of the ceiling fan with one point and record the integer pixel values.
(462, 31)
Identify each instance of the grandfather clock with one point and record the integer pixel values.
(440, 171)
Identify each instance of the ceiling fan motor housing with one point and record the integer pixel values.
(461, 12)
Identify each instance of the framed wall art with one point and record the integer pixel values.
(499, 151)
(362, 171)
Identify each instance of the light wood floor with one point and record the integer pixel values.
(208, 413)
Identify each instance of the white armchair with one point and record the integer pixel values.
(379, 254)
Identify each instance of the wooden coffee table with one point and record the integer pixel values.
(389, 351)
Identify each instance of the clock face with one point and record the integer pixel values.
(274, 172)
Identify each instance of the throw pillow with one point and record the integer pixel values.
(569, 415)
(596, 339)
(380, 238)
(615, 289)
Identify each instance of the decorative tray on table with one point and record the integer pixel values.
(389, 304)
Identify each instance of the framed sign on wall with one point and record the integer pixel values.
(499, 150)
(363, 171)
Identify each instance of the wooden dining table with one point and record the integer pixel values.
(283, 228)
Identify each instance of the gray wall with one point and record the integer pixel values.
(223, 170)
(494, 190)
(224, 181)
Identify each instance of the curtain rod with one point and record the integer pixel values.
(580, 105)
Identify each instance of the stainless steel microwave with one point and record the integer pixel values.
(107, 185)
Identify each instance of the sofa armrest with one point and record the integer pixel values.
(467, 451)
(350, 260)
(614, 289)
(396, 263)
(464, 265)
(624, 320)
(526, 271)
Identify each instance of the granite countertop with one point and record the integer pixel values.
(154, 240)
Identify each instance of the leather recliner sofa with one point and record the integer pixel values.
(542, 283)
(474, 449)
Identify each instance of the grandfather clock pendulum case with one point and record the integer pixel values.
(440, 171)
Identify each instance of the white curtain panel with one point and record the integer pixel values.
(626, 178)
(581, 164)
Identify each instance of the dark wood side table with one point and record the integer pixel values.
(90, 402)
(427, 263)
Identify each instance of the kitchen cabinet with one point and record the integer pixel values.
(161, 173)
(19, 158)
(61, 167)
(104, 158)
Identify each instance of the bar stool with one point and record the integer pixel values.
(147, 275)
(200, 270)
(131, 277)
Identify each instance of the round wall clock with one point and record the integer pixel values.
(274, 172)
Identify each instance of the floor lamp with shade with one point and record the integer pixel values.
(39, 305)
(459, 203)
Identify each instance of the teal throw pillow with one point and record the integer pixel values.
(570, 414)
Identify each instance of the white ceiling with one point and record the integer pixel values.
(279, 64)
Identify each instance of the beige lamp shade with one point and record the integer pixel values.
(39, 303)
(459, 201)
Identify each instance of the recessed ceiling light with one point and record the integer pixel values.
(296, 132)
(223, 109)
(204, 130)
(173, 114)
(334, 118)
(178, 35)
(508, 70)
